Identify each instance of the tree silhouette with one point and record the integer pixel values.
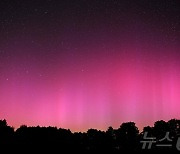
(160, 129)
(6, 133)
(111, 138)
(125, 138)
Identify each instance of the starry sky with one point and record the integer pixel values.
(89, 63)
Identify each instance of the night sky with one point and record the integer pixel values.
(89, 63)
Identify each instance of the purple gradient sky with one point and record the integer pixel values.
(89, 64)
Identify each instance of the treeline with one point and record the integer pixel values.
(162, 136)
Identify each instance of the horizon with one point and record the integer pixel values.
(140, 129)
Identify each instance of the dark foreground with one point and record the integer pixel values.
(162, 137)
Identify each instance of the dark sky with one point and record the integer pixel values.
(89, 63)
